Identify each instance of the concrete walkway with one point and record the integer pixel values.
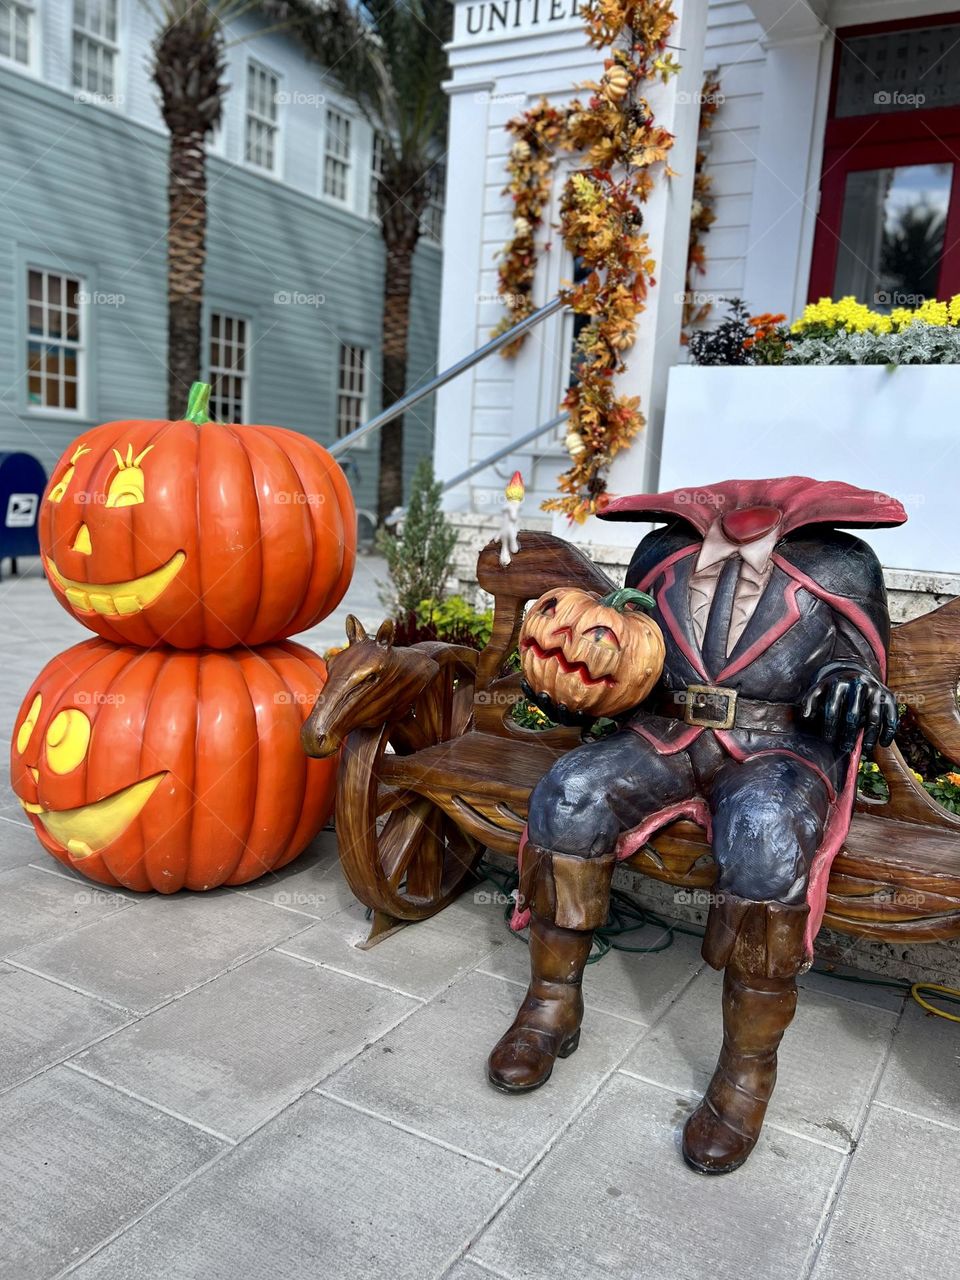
(223, 1086)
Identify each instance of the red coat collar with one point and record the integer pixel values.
(802, 500)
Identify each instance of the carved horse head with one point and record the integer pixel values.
(369, 684)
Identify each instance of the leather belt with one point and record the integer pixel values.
(710, 706)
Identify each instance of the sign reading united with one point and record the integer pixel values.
(493, 18)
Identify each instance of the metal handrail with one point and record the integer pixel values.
(512, 447)
(406, 402)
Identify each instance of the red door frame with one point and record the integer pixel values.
(884, 140)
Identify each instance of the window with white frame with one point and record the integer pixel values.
(261, 146)
(16, 32)
(95, 47)
(376, 173)
(229, 367)
(336, 155)
(431, 223)
(55, 341)
(351, 389)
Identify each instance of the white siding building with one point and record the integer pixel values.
(831, 110)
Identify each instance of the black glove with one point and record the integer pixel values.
(851, 698)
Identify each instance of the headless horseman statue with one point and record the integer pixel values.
(776, 631)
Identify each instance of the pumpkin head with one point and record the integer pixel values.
(164, 770)
(197, 533)
(594, 655)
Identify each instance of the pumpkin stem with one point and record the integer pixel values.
(198, 404)
(624, 597)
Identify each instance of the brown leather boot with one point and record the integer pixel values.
(569, 898)
(761, 945)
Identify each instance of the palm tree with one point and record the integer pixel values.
(912, 250)
(388, 55)
(187, 66)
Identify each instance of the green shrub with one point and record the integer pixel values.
(419, 557)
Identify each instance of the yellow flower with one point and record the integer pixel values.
(918, 776)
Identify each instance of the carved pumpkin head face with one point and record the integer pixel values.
(197, 533)
(599, 656)
(163, 769)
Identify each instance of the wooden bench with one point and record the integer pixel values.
(434, 769)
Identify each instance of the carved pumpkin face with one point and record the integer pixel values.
(196, 533)
(163, 770)
(591, 655)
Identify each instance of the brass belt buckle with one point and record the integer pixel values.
(709, 706)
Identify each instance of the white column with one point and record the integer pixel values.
(786, 182)
(462, 240)
(666, 221)
(504, 56)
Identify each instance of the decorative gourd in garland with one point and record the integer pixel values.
(593, 655)
(196, 533)
(165, 770)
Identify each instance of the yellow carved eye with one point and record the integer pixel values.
(67, 740)
(127, 486)
(60, 488)
(25, 732)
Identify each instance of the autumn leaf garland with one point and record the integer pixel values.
(600, 223)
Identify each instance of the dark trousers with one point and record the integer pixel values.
(768, 813)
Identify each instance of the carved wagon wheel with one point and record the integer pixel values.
(402, 855)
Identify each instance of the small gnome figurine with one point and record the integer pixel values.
(513, 493)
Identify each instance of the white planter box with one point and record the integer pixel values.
(897, 431)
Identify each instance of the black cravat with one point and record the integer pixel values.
(718, 622)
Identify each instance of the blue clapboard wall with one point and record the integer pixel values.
(84, 191)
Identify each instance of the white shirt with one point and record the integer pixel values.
(756, 566)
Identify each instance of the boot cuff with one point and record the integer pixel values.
(762, 939)
(573, 893)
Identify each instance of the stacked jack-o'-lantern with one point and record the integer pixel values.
(166, 754)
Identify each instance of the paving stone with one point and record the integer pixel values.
(634, 986)
(36, 905)
(321, 1193)
(480, 912)
(863, 992)
(467, 1270)
(828, 1064)
(615, 1195)
(430, 1073)
(18, 844)
(922, 1074)
(41, 1023)
(421, 960)
(232, 1053)
(161, 946)
(312, 885)
(896, 1216)
(77, 1160)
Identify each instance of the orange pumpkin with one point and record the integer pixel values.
(197, 533)
(164, 770)
(593, 655)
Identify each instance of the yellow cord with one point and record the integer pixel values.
(925, 1004)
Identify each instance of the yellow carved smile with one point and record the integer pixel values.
(117, 598)
(91, 827)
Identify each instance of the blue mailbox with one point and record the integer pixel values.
(22, 482)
